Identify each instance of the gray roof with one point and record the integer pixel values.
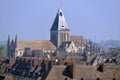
(65, 44)
(35, 44)
(98, 59)
(59, 22)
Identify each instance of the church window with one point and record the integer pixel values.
(60, 13)
(63, 36)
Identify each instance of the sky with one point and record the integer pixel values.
(32, 19)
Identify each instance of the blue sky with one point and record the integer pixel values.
(32, 19)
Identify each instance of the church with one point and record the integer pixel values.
(60, 41)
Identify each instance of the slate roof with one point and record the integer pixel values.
(65, 44)
(85, 73)
(98, 59)
(35, 44)
(59, 22)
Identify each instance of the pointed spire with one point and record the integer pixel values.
(12, 42)
(59, 22)
(8, 42)
(16, 38)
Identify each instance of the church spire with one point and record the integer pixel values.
(59, 22)
(8, 42)
(59, 31)
(16, 40)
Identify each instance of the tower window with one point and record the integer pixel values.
(60, 13)
(62, 26)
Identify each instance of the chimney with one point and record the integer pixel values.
(101, 67)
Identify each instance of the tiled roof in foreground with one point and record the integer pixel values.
(85, 73)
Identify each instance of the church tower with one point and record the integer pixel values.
(16, 40)
(11, 47)
(59, 32)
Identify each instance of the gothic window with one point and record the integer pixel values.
(61, 37)
(67, 36)
(64, 37)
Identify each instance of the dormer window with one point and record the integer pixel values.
(60, 13)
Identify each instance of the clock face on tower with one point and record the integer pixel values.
(60, 13)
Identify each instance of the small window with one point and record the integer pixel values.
(82, 79)
(60, 13)
(62, 26)
(65, 78)
(98, 79)
(114, 78)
